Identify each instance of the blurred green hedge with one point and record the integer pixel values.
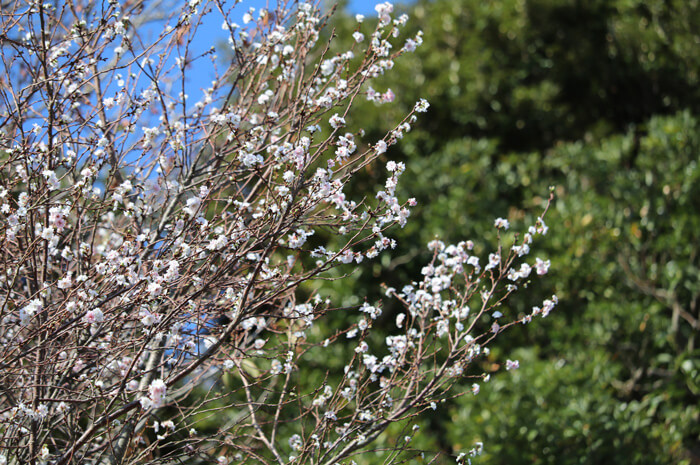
(601, 100)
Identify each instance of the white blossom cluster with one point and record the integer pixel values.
(452, 311)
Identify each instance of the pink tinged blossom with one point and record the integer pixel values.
(372, 311)
(383, 11)
(475, 388)
(192, 206)
(65, 282)
(47, 233)
(541, 266)
(250, 159)
(94, 316)
(173, 271)
(548, 305)
(56, 218)
(380, 147)
(327, 67)
(341, 153)
(297, 239)
(494, 260)
(501, 223)
(79, 365)
(51, 180)
(148, 318)
(362, 325)
(388, 96)
(28, 311)
(521, 249)
(154, 288)
(346, 257)
(434, 245)
(288, 176)
(265, 97)
(455, 370)
(146, 403)
(371, 362)
(372, 94)
(61, 408)
(513, 274)
(512, 365)
(524, 271)
(168, 424)
(410, 45)
(336, 121)
(298, 155)
(219, 243)
(422, 105)
(156, 392)
(23, 199)
(59, 223)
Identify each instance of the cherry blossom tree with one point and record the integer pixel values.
(153, 247)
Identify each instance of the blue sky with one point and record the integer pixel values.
(212, 34)
(362, 6)
(200, 74)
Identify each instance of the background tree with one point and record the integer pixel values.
(601, 100)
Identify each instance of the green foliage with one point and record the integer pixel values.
(599, 99)
(564, 412)
(530, 73)
(623, 385)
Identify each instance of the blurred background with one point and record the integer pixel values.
(600, 99)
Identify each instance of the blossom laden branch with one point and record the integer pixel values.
(153, 249)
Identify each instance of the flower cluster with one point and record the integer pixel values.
(153, 245)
